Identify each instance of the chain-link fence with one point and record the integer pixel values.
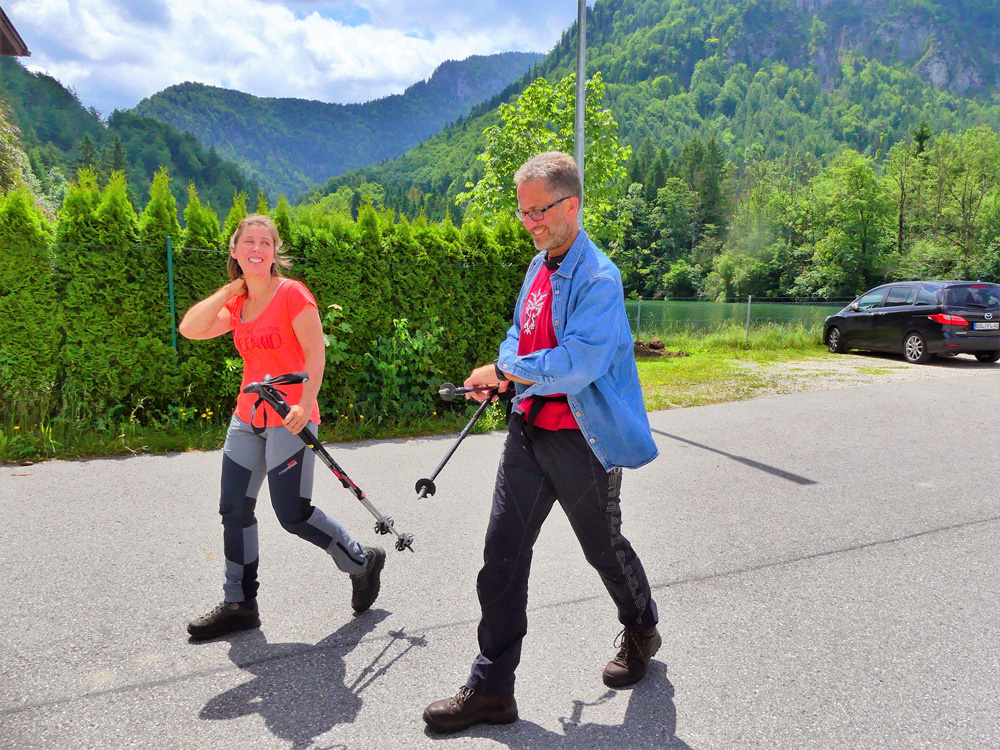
(657, 318)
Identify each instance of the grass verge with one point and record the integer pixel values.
(719, 367)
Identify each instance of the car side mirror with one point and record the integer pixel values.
(853, 306)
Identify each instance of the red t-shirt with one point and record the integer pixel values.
(269, 346)
(537, 332)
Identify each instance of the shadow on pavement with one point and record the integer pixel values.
(781, 473)
(650, 722)
(301, 690)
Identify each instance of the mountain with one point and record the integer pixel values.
(292, 144)
(60, 135)
(792, 79)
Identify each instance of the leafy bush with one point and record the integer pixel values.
(402, 372)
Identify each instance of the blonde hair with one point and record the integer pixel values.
(280, 261)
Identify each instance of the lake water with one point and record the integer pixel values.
(656, 317)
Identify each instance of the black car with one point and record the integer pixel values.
(921, 319)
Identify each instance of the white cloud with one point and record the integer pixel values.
(115, 52)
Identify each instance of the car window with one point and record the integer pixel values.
(984, 296)
(927, 296)
(871, 299)
(900, 295)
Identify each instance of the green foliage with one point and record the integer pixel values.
(148, 261)
(542, 119)
(655, 236)
(236, 214)
(112, 365)
(966, 171)
(200, 269)
(151, 145)
(850, 208)
(13, 161)
(401, 373)
(29, 337)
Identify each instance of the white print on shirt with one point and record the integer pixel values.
(532, 306)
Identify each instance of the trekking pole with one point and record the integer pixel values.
(267, 392)
(448, 392)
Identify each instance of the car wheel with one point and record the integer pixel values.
(835, 341)
(987, 356)
(915, 349)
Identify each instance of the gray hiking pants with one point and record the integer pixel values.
(288, 465)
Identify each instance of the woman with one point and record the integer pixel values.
(276, 327)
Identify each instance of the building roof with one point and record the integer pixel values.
(11, 42)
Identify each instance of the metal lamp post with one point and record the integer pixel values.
(581, 93)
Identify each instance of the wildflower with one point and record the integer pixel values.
(17, 427)
(362, 416)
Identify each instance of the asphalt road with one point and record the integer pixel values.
(825, 565)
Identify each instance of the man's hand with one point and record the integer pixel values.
(485, 375)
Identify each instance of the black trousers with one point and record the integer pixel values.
(539, 467)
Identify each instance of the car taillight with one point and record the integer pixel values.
(949, 320)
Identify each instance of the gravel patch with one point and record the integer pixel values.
(849, 370)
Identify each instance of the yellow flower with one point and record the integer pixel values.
(362, 416)
(17, 427)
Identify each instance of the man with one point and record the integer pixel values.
(578, 419)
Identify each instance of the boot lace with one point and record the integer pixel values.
(626, 641)
(464, 693)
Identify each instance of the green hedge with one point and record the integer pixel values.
(89, 338)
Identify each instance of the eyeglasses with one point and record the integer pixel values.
(540, 213)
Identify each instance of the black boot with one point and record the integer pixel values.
(366, 584)
(225, 618)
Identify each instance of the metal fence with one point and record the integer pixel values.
(657, 318)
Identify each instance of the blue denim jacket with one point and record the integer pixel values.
(594, 363)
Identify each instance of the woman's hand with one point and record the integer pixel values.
(296, 419)
(210, 318)
(237, 287)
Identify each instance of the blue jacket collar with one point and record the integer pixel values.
(572, 257)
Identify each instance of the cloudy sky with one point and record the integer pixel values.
(115, 52)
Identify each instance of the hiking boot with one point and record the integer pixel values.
(225, 618)
(365, 585)
(637, 647)
(469, 707)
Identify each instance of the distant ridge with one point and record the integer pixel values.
(290, 145)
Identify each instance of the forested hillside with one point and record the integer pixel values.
(796, 80)
(60, 136)
(779, 148)
(293, 144)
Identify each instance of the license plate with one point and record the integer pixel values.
(986, 326)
